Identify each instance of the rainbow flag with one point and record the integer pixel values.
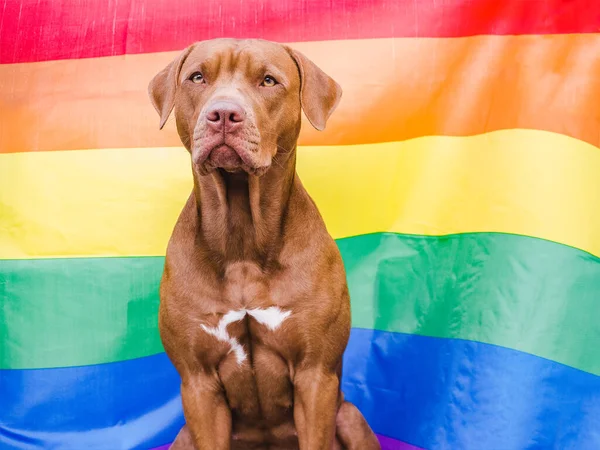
(460, 176)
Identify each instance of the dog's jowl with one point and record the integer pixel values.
(254, 311)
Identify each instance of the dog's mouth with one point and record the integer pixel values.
(225, 157)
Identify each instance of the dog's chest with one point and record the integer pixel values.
(252, 316)
(252, 364)
(238, 328)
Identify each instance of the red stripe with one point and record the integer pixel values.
(37, 30)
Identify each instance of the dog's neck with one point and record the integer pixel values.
(241, 216)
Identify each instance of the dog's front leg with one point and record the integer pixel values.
(316, 395)
(206, 412)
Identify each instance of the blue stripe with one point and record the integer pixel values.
(430, 392)
(461, 395)
(126, 405)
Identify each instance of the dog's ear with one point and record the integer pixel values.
(163, 87)
(319, 93)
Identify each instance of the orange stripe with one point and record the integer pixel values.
(395, 89)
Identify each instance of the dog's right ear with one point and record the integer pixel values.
(163, 86)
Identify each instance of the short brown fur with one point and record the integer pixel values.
(251, 237)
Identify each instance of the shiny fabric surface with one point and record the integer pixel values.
(460, 177)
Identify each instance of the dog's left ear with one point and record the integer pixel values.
(319, 93)
(163, 87)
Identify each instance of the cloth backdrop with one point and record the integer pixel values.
(460, 176)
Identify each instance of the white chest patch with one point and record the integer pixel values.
(271, 317)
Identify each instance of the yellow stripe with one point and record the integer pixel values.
(125, 201)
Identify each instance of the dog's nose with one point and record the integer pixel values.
(225, 116)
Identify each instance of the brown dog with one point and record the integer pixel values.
(254, 310)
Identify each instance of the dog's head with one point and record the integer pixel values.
(238, 102)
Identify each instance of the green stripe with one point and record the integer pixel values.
(519, 292)
(514, 291)
(72, 312)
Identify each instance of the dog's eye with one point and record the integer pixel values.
(197, 77)
(269, 81)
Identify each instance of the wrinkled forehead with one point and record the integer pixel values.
(253, 58)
